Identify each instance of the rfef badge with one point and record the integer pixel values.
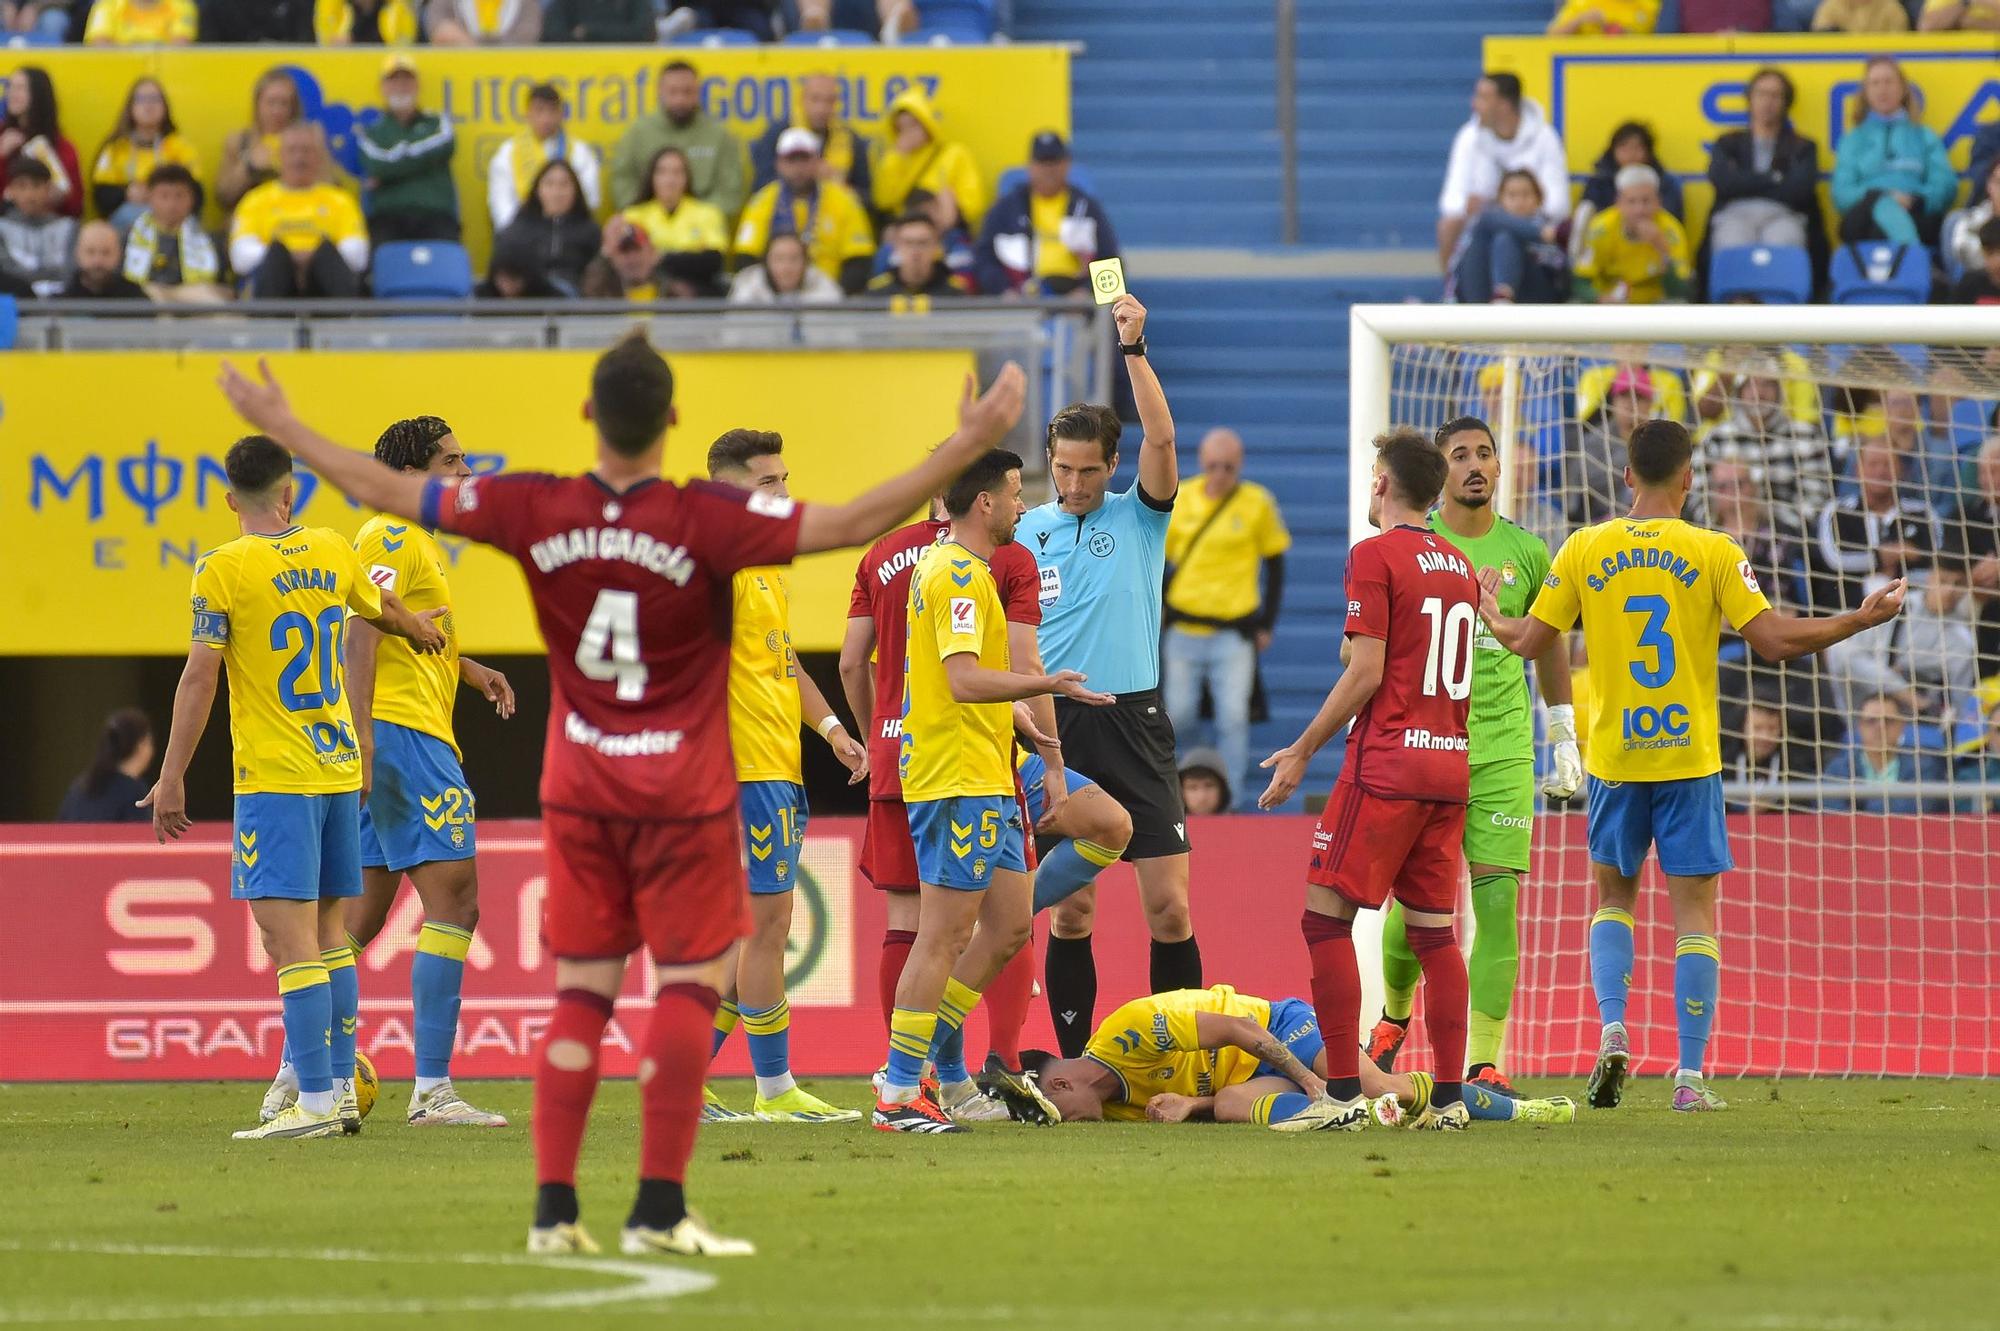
(1107, 280)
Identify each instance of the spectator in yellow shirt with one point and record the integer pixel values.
(297, 235)
(250, 156)
(144, 138)
(687, 234)
(1634, 253)
(918, 156)
(1963, 15)
(1861, 16)
(823, 213)
(1592, 18)
(141, 23)
(1224, 533)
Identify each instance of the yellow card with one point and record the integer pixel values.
(1107, 280)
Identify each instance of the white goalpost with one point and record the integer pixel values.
(1841, 445)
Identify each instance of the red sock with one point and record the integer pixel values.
(1006, 1003)
(671, 1072)
(896, 945)
(563, 1093)
(1445, 997)
(1336, 990)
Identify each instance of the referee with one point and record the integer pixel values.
(1102, 558)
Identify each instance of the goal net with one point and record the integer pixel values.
(1860, 929)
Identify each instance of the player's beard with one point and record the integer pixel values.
(1480, 500)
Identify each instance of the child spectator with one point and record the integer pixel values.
(917, 156)
(1041, 237)
(297, 235)
(1511, 254)
(824, 213)
(1634, 252)
(35, 238)
(99, 261)
(250, 156)
(1891, 178)
(920, 270)
(689, 236)
(514, 168)
(167, 251)
(140, 23)
(784, 277)
(554, 226)
(143, 139)
(31, 127)
(1981, 285)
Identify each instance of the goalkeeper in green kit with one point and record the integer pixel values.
(1500, 815)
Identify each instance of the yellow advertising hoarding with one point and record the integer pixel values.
(111, 478)
(992, 99)
(1691, 90)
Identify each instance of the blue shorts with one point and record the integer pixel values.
(420, 810)
(1683, 818)
(774, 830)
(1032, 772)
(961, 840)
(296, 847)
(1296, 1025)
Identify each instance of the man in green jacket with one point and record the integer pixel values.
(406, 164)
(715, 158)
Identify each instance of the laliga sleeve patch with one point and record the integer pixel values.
(382, 576)
(964, 616)
(1749, 576)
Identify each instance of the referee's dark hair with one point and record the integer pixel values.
(255, 464)
(733, 450)
(632, 396)
(409, 445)
(1463, 425)
(1659, 451)
(985, 475)
(1083, 422)
(1414, 465)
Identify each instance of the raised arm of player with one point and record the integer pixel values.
(357, 475)
(971, 682)
(983, 421)
(194, 696)
(1214, 1030)
(857, 680)
(1357, 685)
(1159, 469)
(1527, 637)
(813, 707)
(1777, 636)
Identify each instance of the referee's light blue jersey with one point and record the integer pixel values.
(1101, 577)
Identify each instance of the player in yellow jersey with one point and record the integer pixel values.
(271, 606)
(417, 810)
(769, 696)
(1652, 592)
(957, 771)
(1216, 1053)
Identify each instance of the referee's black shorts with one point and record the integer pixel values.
(1128, 748)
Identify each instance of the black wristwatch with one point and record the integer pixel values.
(1134, 348)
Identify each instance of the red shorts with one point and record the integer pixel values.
(1368, 849)
(889, 857)
(614, 883)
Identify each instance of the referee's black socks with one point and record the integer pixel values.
(1069, 979)
(1176, 965)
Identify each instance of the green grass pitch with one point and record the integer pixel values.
(1844, 1205)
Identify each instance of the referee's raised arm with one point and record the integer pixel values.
(1159, 468)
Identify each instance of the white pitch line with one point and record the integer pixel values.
(640, 1281)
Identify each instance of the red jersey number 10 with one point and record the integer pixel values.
(1449, 661)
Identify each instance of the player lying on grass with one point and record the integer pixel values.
(1215, 1053)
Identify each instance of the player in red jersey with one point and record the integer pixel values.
(630, 577)
(1394, 823)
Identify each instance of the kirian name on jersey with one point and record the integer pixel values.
(1643, 556)
(292, 580)
(1440, 561)
(633, 547)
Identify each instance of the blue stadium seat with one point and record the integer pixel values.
(423, 270)
(10, 322)
(17, 40)
(712, 37)
(1775, 274)
(1969, 422)
(1876, 272)
(832, 37)
(972, 18)
(1016, 176)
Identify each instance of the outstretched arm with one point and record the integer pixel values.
(1159, 469)
(194, 696)
(357, 475)
(1216, 1031)
(1777, 636)
(1363, 676)
(970, 681)
(1527, 637)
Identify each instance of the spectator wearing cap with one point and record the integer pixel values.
(298, 236)
(601, 22)
(1766, 177)
(510, 176)
(1891, 178)
(553, 231)
(97, 273)
(483, 22)
(714, 157)
(167, 252)
(785, 276)
(1635, 252)
(1204, 783)
(1041, 237)
(843, 154)
(1872, 535)
(406, 164)
(917, 156)
(141, 23)
(35, 238)
(1507, 132)
(1788, 460)
(1604, 18)
(1226, 548)
(825, 214)
(920, 274)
